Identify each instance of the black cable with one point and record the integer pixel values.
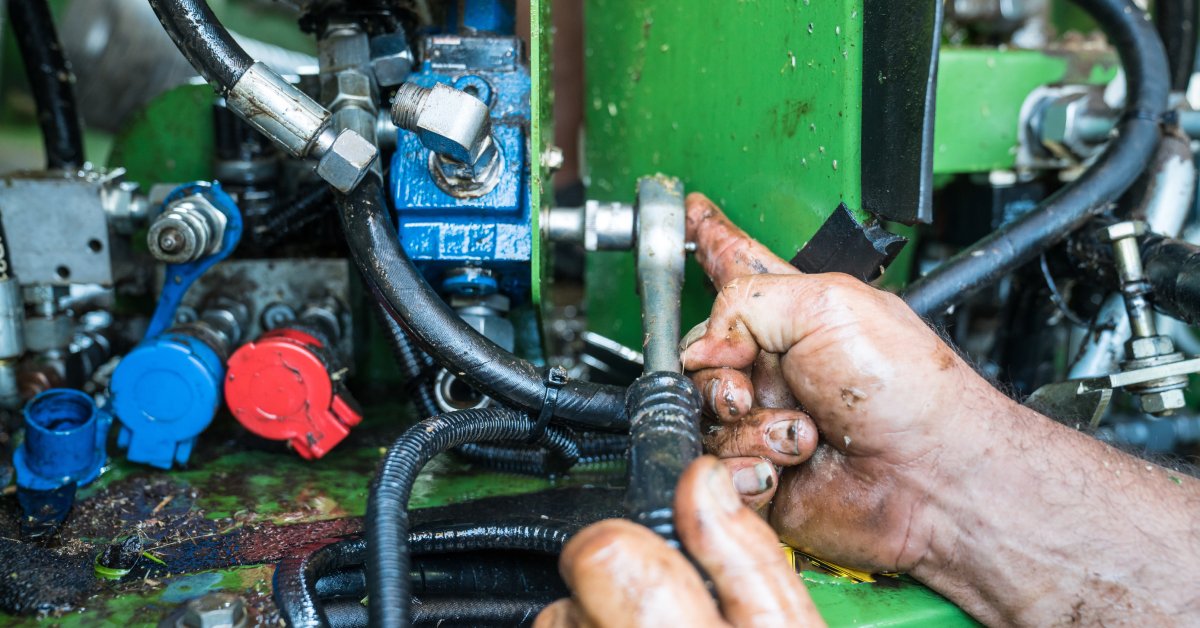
(439, 331)
(1176, 24)
(387, 506)
(464, 611)
(51, 81)
(520, 458)
(1056, 297)
(1147, 85)
(203, 41)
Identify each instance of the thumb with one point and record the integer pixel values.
(752, 314)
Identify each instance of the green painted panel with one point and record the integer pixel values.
(541, 134)
(979, 98)
(754, 103)
(887, 602)
(171, 140)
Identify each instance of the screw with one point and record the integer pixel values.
(215, 610)
(1128, 259)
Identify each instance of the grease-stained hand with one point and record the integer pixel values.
(621, 574)
(893, 405)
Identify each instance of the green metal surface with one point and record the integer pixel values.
(887, 602)
(979, 98)
(541, 136)
(171, 140)
(756, 104)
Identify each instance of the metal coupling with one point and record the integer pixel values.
(448, 121)
(301, 126)
(597, 226)
(1146, 348)
(189, 229)
(1075, 124)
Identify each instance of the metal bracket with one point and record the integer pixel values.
(844, 245)
(179, 277)
(1079, 402)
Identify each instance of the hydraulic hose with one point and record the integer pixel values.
(441, 333)
(1147, 82)
(203, 41)
(1173, 269)
(335, 569)
(465, 611)
(1176, 24)
(388, 561)
(51, 80)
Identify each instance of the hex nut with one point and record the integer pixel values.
(1152, 347)
(353, 90)
(1163, 402)
(391, 60)
(1122, 230)
(448, 121)
(215, 610)
(347, 161)
(187, 230)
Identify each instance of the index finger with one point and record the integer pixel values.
(725, 251)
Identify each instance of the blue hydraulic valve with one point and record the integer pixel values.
(166, 391)
(64, 448)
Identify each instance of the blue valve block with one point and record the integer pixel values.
(65, 435)
(166, 392)
(494, 231)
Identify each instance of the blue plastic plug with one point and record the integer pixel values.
(166, 392)
(65, 435)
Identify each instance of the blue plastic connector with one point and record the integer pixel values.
(166, 392)
(65, 435)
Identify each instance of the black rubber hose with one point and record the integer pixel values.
(464, 611)
(387, 505)
(1173, 269)
(292, 215)
(203, 41)
(1176, 24)
(594, 447)
(300, 582)
(664, 438)
(51, 81)
(441, 333)
(1147, 85)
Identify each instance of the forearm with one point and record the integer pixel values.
(1052, 526)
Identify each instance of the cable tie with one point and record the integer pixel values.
(556, 378)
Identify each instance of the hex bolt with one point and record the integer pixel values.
(215, 610)
(1128, 259)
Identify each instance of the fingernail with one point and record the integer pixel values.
(724, 491)
(754, 480)
(784, 437)
(695, 334)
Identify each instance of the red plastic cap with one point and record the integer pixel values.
(278, 388)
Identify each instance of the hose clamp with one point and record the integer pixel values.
(556, 378)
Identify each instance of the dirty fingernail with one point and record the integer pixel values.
(695, 334)
(754, 480)
(784, 437)
(724, 491)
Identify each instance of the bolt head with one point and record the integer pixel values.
(391, 60)
(347, 161)
(1152, 347)
(215, 610)
(1122, 230)
(1162, 403)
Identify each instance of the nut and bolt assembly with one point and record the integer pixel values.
(187, 230)
(1146, 348)
(215, 610)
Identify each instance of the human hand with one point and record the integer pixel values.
(621, 574)
(893, 404)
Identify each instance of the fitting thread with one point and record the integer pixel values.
(407, 105)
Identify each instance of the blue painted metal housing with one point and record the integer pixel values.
(494, 231)
(166, 392)
(65, 435)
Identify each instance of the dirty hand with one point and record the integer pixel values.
(622, 574)
(892, 403)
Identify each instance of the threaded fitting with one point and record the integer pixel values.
(409, 101)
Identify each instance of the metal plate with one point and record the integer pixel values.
(57, 229)
(291, 281)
